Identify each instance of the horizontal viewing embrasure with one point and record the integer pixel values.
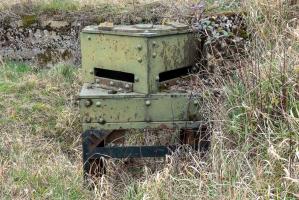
(116, 75)
(176, 73)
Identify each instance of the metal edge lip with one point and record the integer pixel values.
(138, 125)
(103, 93)
(131, 95)
(139, 34)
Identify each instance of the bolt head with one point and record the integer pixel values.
(157, 78)
(148, 102)
(88, 103)
(97, 81)
(136, 79)
(101, 121)
(154, 55)
(98, 104)
(91, 72)
(154, 43)
(139, 60)
(127, 86)
(111, 83)
(139, 47)
(89, 38)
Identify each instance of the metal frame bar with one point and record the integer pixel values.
(142, 125)
(131, 151)
(94, 149)
(117, 152)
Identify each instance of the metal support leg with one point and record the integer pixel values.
(94, 150)
(91, 140)
(197, 138)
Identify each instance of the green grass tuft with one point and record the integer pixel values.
(59, 5)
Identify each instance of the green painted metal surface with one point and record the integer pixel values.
(119, 53)
(144, 55)
(144, 51)
(126, 72)
(98, 106)
(169, 53)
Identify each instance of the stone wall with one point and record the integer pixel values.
(42, 40)
(47, 37)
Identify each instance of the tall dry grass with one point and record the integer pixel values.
(255, 139)
(255, 132)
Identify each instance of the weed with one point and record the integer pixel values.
(254, 152)
(59, 5)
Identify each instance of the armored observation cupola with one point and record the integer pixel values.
(124, 70)
(137, 57)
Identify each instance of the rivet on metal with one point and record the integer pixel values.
(89, 38)
(157, 78)
(97, 81)
(139, 60)
(127, 86)
(101, 120)
(147, 102)
(154, 43)
(139, 47)
(136, 79)
(88, 103)
(111, 83)
(98, 104)
(154, 55)
(91, 72)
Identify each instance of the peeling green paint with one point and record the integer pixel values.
(145, 54)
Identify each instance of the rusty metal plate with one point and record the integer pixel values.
(115, 85)
(104, 108)
(166, 85)
(143, 57)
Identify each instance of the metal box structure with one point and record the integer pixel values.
(125, 69)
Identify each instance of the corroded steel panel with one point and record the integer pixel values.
(125, 69)
(162, 107)
(169, 53)
(119, 53)
(144, 57)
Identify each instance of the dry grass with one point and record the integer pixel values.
(255, 142)
(75, 3)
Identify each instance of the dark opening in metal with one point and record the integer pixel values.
(176, 73)
(116, 75)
